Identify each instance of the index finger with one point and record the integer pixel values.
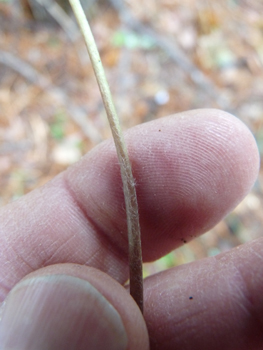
(191, 170)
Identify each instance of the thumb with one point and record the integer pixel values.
(61, 312)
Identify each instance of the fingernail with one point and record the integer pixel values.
(59, 312)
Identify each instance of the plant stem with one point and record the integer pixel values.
(134, 236)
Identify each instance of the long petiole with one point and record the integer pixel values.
(134, 236)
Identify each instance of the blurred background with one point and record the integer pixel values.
(160, 56)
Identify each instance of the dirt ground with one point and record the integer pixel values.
(160, 56)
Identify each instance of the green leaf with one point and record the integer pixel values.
(131, 40)
(57, 128)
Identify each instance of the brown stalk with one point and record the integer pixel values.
(134, 236)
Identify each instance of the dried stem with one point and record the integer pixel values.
(134, 237)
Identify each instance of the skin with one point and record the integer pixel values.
(191, 170)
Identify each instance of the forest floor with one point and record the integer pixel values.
(161, 57)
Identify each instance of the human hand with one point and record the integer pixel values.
(63, 247)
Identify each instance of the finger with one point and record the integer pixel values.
(71, 307)
(191, 169)
(215, 303)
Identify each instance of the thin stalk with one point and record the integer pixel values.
(134, 236)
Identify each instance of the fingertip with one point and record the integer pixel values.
(191, 169)
(213, 303)
(69, 306)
